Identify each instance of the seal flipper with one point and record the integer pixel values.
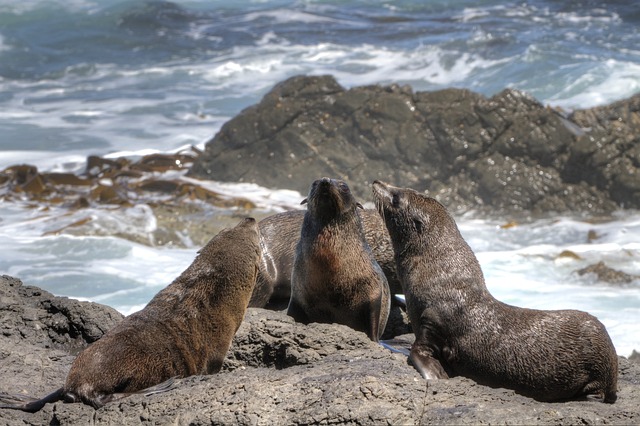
(297, 312)
(374, 321)
(426, 364)
(165, 386)
(28, 403)
(393, 349)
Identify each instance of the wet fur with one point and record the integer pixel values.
(185, 329)
(335, 277)
(461, 329)
(279, 235)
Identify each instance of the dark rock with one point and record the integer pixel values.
(35, 315)
(507, 153)
(276, 372)
(607, 274)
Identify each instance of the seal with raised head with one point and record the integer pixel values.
(279, 235)
(186, 329)
(335, 277)
(461, 329)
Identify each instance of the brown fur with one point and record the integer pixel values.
(461, 329)
(279, 235)
(185, 329)
(335, 276)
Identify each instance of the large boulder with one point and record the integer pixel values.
(505, 153)
(276, 372)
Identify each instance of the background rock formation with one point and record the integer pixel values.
(276, 372)
(505, 153)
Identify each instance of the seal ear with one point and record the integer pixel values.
(359, 205)
(303, 201)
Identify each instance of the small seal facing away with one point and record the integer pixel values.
(461, 329)
(185, 329)
(335, 277)
(279, 236)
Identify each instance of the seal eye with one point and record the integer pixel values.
(343, 187)
(395, 201)
(418, 225)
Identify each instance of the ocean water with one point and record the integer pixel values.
(127, 78)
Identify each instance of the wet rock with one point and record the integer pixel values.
(607, 155)
(607, 274)
(187, 214)
(276, 372)
(35, 315)
(507, 153)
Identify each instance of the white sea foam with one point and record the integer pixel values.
(602, 85)
(594, 15)
(288, 16)
(263, 198)
(522, 267)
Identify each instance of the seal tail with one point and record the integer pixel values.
(29, 404)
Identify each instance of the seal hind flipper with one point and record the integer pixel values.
(165, 386)
(30, 404)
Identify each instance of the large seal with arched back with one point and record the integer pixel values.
(461, 329)
(185, 329)
(335, 277)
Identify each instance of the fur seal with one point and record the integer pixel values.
(185, 329)
(335, 277)
(279, 235)
(461, 329)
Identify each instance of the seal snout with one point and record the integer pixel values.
(382, 194)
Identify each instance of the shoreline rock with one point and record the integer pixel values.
(276, 372)
(186, 213)
(504, 154)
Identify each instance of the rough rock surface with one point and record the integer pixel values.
(276, 372)
(506, 153)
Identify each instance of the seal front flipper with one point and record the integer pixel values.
(297, 312)
(387, 345)
(426, 364)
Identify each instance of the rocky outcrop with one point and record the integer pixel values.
(185, 213)
(276, 372)
(505, 153)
